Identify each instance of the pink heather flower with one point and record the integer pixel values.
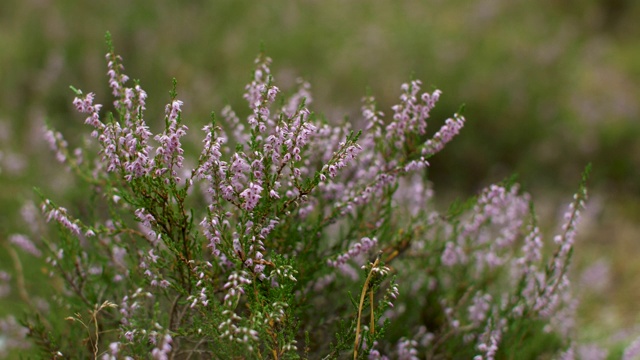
(258, 171)
(566, 239)
(14, 335)
(274, 194)
(85, 105)
(162, 352)
(60, 215)
(368, 193)
(132, 103)
(239, 169)
(488, 344)
(234, 286)
(118, 255)
(211, 154)
(25, 244)
(130, 335)
(479, 308)
(239, 134)
(410, 116)
(109, 140)
(374, 354)
(596, 277)
(117, 79)
(267, 229)
(146, 226)
(135, 149)
(372, 116)
(333, 171)
(452, 255)
(361, 247)
(212, 233)
(121, 146)
(346, 156)
(30, 215)
(145, 218)
(251, 196)
(295, 101)
(406, 350)
(321, 283)
(394, 292)
(497, 218)
(570, 355)
(226, 191)
(114, 349)
(447, 132)
(632, 351)
(117, 143)
(169, 153)
(260, 95)
(153, 257)
(532, 248)
(592, 352)
(57, 144)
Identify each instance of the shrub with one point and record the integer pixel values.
(289, 237)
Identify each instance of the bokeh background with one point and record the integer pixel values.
(548, 86)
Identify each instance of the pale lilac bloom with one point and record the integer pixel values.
(251, 196)
(60, 215)
(489, 344)
(239, 169)
(235, 286)
(25, 244)
(479, 308)
(30, 215)
(592, 352)
(56, 143)
(447, 132)
(566, 239)
(348, 271)
(212, 233)
(211, 154)
(410, 116)
(123, 148)
(295, 101)
(169, 155)
(406, 350)
(632, 352)
(14, 335)
(374, 354)
(569, 354)
(361, 247)
(596, 277)
(260, 94)
(163, 351)
(453, 254)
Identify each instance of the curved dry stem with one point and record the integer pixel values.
(365, 289)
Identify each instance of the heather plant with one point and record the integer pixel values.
(288, 236)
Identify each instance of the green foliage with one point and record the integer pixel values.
(271, 265)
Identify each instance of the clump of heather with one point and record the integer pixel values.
(290, 237)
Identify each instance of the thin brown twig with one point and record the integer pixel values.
(372, 321)
(365, 289)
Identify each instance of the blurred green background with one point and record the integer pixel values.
(547, 85)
